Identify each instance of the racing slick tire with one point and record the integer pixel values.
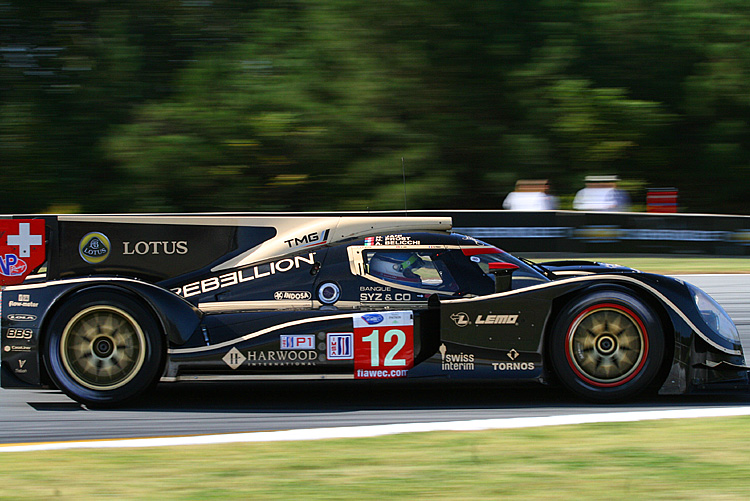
(607, 346)
(103, 348)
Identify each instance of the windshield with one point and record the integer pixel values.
(524, 276)
(453, 270)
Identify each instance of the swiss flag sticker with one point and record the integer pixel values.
(21, 248)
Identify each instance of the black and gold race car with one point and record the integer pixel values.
(105, 306)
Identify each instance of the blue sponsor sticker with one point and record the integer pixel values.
(372, 318)
(11, 266)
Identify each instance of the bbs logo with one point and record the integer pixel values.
(19, 334)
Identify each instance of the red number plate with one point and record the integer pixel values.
(383, 344)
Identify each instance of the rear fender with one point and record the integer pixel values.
(22, 364)
(178, 319)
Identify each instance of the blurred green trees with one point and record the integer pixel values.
(307, 105)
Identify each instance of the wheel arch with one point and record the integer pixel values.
(177, 319)
(642, 293)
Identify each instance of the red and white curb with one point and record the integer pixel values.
(386, 429)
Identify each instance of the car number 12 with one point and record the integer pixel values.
(390, 358)
(384, 351)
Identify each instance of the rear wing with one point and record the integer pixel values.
(155, 247)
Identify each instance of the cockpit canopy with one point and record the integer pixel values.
(443, 263)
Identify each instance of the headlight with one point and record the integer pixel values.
(714, 315)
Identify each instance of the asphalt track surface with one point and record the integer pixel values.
(204, 408)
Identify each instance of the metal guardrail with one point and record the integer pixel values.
(603, 232)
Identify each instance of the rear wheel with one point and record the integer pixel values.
(103, 348)
(608, 345)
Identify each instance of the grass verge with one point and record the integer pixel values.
(699, 459)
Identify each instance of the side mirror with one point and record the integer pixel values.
(503, 275)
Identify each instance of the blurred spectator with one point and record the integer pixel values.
(601, 194)
(530, 194)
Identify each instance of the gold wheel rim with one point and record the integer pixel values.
(607, 345)
(102, 348)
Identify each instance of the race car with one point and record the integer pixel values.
(103, 307)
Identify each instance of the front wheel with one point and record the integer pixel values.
(607, 345)
(103, 348)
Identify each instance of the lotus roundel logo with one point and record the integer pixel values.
(94, 247)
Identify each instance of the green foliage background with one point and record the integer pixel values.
(310, 105)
